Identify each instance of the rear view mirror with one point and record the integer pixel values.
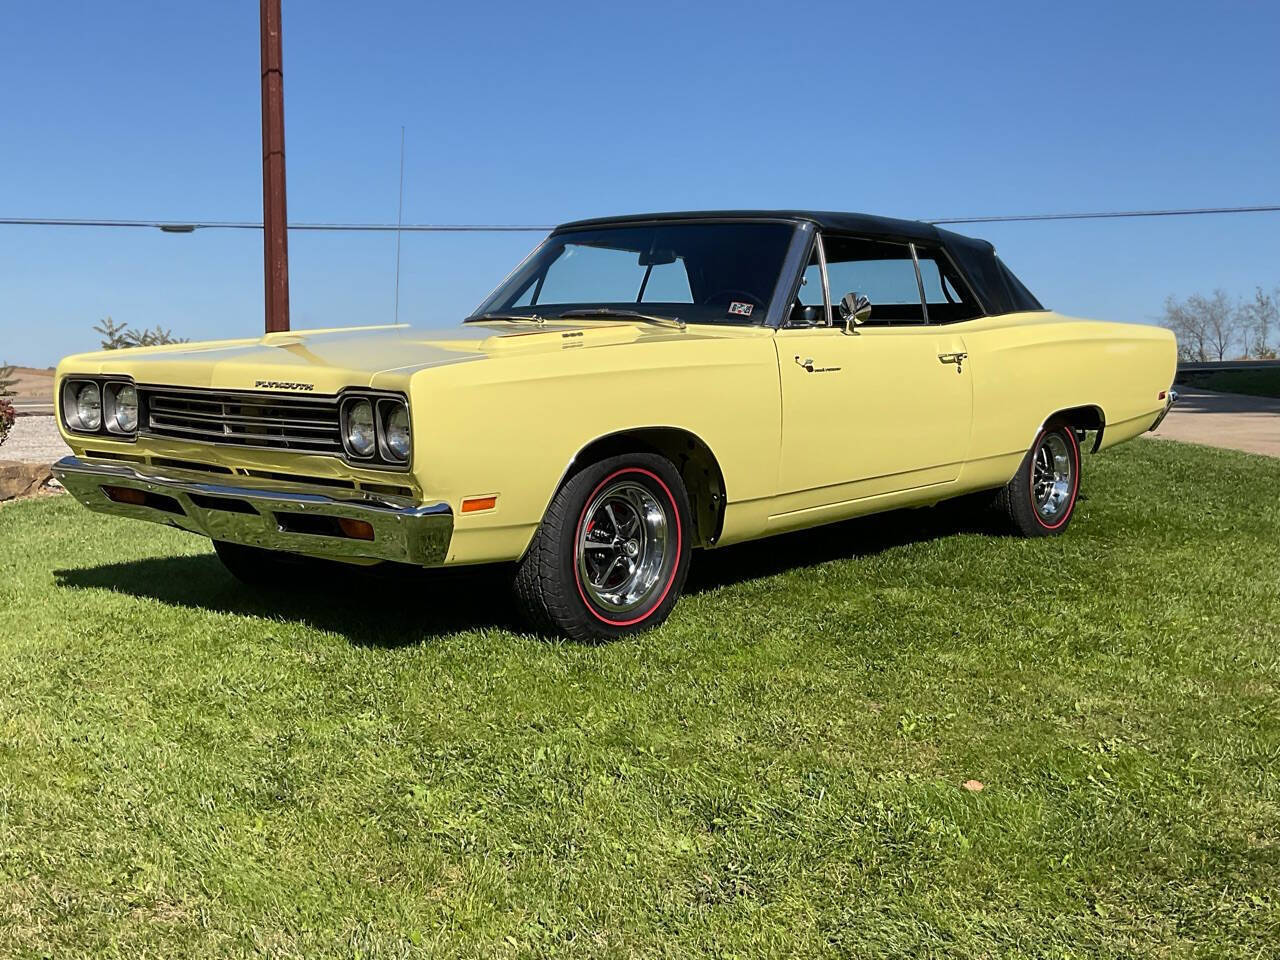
(855, 309)
(657, 257)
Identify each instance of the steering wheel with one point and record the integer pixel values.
(729, 294)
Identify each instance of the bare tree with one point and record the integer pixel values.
(1206, 327)
(1258, 319)
(1220, 320)
(1189, 327)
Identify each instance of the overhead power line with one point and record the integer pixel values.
(1114, 214)
(190, 226)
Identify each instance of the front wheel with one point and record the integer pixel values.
(1041, 498)
(612, 553)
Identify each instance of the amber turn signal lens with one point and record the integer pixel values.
(472, 504)
(355, 529)
(126, 495)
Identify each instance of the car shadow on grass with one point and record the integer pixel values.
(390, 608)
(865, 536)
(393, 606)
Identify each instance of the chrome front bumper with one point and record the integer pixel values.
(1170, 400)
(258, 512)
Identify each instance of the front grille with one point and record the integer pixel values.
(242, 418)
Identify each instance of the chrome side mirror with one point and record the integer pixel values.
(855, 310)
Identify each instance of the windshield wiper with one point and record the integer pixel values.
(674, 322)
(525, 317)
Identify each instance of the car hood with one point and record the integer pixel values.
(327, 360)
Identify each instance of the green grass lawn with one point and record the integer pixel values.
(1254, 383)
(191, 768)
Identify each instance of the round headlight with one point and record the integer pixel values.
(124, 408)
(357, 429)
(88, 407)
(395, 433)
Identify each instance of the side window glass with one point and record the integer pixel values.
(882, 272)
(942, 289)
(811, 285)
(931, 277)
(809, 308)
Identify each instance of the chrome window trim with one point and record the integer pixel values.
(941, 253)
(826, 282)
(924, 301)
(822, 260)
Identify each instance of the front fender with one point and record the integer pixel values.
(511, 427)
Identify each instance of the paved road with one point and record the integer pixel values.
(1224, 420)
(34, 440)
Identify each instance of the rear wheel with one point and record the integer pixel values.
(1041, 498)
(612, 553)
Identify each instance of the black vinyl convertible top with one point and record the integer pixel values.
(995, 285)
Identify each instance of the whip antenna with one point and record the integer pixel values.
(399, 223)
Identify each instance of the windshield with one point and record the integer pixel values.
(694, 272)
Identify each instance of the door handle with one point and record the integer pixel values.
(956, 358)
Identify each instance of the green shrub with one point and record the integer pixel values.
(118, 336)
(7, 416)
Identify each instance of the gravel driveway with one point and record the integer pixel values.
(34, 440)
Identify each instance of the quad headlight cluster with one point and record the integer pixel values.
(376, 429)
(101, 406)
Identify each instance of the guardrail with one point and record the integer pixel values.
(1212, 366)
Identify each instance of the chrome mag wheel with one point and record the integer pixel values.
(1052, 478)
(624, 552)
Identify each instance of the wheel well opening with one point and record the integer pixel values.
(693, 460)
(1085, 419)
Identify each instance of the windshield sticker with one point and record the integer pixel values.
(737, 309)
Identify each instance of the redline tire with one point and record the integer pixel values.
(1041, 498)
(611, 555)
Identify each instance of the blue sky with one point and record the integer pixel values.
(537, 113)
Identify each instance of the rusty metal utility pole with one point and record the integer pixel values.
(275, 238)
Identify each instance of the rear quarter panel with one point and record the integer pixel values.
(1028, 366)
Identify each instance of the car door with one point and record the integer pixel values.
(883, 409)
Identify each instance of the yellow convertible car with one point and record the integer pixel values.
(638, 387)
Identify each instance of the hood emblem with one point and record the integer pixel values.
(283, 385)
